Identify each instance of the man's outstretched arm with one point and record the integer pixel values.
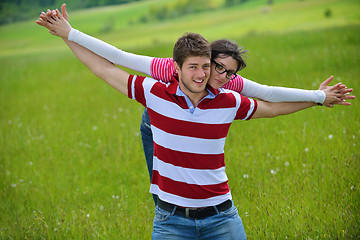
(102, 68)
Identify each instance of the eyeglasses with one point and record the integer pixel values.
(221, 69)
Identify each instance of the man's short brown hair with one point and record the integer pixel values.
(190, 44)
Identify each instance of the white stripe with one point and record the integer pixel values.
(188, 202)
(208, 116)
(252, 105)
(188, 175)
(133, 87)
(188, 144)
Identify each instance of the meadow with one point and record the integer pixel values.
(71, 160)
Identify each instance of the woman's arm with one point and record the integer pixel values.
(129, 60)
(280, 94)
(161, 69)
(325, 95)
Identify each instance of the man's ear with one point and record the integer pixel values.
(177, 67)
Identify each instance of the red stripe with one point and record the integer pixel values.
(139, 90)
(189, 129)
(166, 95)
(191, 191)
(186, 160)
(223, 100)
(245, 108)
(130, 79)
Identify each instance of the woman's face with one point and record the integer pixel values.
(226, 65)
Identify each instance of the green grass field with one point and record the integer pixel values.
(71, 160)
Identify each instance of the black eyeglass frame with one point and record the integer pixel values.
(233, 74)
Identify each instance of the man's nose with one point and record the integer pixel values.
(202, 73)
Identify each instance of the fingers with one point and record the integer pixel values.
(40, 23)
(63, 8)
(47, 20)
(347, 90)
(43, 20)
(336, 86)
(347, 97)
(343, 103)
(326, 82)
(50, 16)
(64, 12)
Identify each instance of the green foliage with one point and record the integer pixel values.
(19, 10)
(328, 13)
(178, 9)
(233, 2)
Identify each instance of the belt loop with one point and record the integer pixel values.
(187, 212)
(216, 209)
(174, 210)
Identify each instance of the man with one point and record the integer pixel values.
(190, 121)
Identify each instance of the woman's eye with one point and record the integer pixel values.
(219, 67)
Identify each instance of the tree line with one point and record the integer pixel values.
(19, 10)
(183, 7)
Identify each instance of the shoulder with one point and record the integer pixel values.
(235, 84)
(162, 62)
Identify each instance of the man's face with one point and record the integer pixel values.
(193, 75)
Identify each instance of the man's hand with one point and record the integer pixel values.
(337, 94)
(55, 22)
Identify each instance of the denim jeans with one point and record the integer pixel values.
(225, 225)
(148, 145)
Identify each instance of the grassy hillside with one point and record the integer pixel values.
(234, 22)
(71, 161)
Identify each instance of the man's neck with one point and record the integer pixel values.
(194, 97)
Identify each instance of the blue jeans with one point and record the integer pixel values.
(225, 225)
(148, 145)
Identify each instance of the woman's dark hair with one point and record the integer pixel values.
(223, 48)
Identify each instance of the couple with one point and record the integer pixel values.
(190, 116)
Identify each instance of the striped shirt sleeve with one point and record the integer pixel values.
(136, 89)
(247, 108)
(162, 69)
(236, 84)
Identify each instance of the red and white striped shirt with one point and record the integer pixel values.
(189, 165)
(163, 68)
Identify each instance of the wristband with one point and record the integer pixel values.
(320, 96)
